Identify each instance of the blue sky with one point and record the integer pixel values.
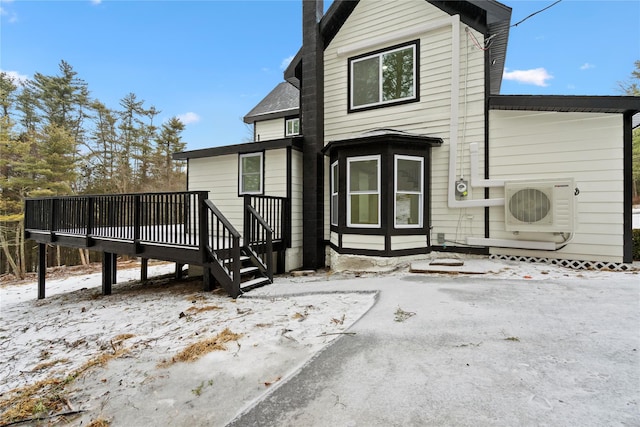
(210, 62)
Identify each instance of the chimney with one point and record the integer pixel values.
(312, 125)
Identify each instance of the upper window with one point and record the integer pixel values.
(363, 191)
(408, 191)
(334, 193)
(292, 126)
(382, 78)
(251, 173)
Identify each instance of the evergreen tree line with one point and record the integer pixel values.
(55, 139)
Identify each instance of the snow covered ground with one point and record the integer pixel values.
(547, 316)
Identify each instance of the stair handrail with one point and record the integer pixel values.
(253, 242)
(220, 254)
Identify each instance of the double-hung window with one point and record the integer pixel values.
(409, 179)
(292, 126)
(363, 191)
(385, 77)
(334, 193)
(251, 167)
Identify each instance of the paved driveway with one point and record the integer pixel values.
(471, 351)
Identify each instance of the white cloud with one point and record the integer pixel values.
(536, 76)
(11, 16)
(285, 62)
(18, 79)
(96, 1)
(189, 117)
(587, 66)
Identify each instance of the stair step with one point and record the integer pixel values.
(248, 270)
(243, 258)
(254, 283)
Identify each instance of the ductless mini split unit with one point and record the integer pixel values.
(545, 206)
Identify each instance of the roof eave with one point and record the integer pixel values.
(566, 103)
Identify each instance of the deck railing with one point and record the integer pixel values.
(276, 213)
(258, 239)
(168, 218)
(222, 247)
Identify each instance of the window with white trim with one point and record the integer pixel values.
(292, 126)
(385, 77)
(409, 179)
(363, 191)
(334, 193)
(251, 167)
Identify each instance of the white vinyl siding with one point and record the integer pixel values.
(585, 146)
(275, 173)
(294, 254)
(267, 130)
(373, 20)
(361, 241)
(219, 176)
(408, 242)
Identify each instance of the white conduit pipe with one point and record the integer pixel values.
(475, 180)
(453, 127)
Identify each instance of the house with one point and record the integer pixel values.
(391, 140)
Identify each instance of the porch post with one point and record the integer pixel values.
(42, 268)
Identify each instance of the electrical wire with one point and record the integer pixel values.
(488, 41)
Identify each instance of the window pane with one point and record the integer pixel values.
(363, 175)
(366, 81)
(397, 74)
(251, 164)
(409, 175)
(251, 183)
(293, 126)
(334, 182)
(364, 209)
(408, 209)
(334, 209)
(251, 173)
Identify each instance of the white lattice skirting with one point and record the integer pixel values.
(576, 265)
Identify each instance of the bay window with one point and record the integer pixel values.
(334, 193)
(363, 191)
(409, 179)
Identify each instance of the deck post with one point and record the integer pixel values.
(114, 266)
(107, 271)
(144, 269)
(280, 261)
(179, 270)
(206, 279)
(42, 268)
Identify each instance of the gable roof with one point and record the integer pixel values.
(486, 16)
(283, 100)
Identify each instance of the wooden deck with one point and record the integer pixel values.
(181, 227)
